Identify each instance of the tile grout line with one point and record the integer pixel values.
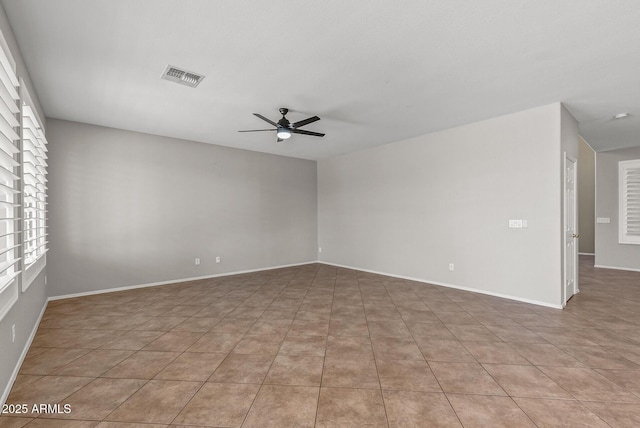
(429, 365)
(375, 361)
(326, 345)
(271, 365)
(149, 380)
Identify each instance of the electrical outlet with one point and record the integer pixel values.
(45, 280)
(319, 249)
(197, 261)
(451, 267)
(13, 333)
(217, 259)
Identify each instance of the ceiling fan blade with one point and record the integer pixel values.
(305, 122)
(257, 130)
(265, 119)
(279, 140)
(302, 131)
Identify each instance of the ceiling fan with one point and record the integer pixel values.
(284, 128)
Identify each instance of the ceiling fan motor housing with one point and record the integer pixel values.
(284, 122)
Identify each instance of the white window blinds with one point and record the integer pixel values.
(10, 240)
(629, 200)
(34, 164)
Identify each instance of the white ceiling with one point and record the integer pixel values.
(375, 71)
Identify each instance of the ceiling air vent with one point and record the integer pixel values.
(183, 77)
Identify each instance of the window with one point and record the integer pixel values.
(629, 201)
(23, 190)
(9, 182)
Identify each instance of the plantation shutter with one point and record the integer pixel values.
(629, 185)
(10, 240)
(34, 187)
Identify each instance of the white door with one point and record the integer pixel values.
(570, 232)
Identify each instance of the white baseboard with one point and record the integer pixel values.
(617, 268)
(586, 254)
(173, 281)
(16, 369)
(443, 284)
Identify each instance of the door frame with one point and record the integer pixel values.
(575, 290)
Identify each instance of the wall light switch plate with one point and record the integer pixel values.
(516, 224)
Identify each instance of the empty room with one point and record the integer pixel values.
(319, 214)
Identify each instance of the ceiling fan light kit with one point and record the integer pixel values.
(283, 133)
(284, 129)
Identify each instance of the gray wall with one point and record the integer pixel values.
(127, 209)
(26, 310)
(412, 207)
(609, 253)
(587, 197)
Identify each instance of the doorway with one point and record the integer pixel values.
(570, 275)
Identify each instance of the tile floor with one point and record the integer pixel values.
(327, 347)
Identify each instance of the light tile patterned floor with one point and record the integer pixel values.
(328, 347)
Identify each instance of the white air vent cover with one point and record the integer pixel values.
(183, 77)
